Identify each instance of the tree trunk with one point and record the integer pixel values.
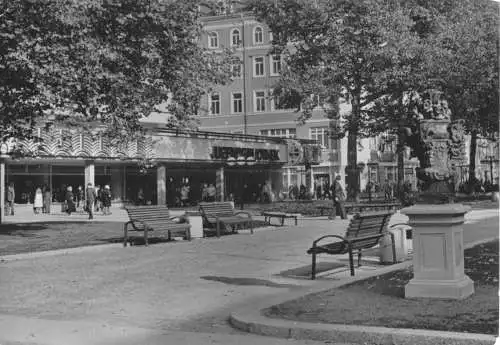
(352, 151)
(401, 164)
(472, 162)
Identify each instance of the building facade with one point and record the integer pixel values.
(247, 105)
(158, 163)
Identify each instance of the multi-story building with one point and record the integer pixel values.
(247, 104)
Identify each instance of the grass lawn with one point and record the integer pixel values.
(379, 301)
(43, 236)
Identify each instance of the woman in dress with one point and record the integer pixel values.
(47, 200)
(38, 203)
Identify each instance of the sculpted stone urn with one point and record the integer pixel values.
(438, 258)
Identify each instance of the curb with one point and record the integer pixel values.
(251, 319)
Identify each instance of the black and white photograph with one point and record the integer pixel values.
(246, 172)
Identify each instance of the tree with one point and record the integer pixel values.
(469, 72)
(339, 49)
(108, 62)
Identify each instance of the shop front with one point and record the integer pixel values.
(155, 169)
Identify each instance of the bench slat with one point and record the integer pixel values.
(158, 221)
(364, 231)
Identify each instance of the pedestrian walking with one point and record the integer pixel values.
(387, 190)
(70, 201)
(90, 197)
(11, 196)
(106, 200)
(204, 192)
(338, 198)
(47, 200)
(97, 202)
(38, 202)
(80, 198)
(185, 195)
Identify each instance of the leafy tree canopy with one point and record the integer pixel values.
(104, 61)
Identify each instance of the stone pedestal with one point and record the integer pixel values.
(438, 252)
(196, 223)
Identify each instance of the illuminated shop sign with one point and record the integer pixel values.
(225, 153)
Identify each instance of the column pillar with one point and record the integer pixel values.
(46, 174)
(288, 178)
(2, 190)
(219, 183)
(89, 173)
(117, 183)
(161, 185)
(438, 252)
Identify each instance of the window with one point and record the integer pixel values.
(258, 35)
(260, 101)
(320, 134)
(280, 132)
(237, 102)
(236, 68)
(213, 40)
(258, 66)
(214, 104)
(235, 38)
(275, 64)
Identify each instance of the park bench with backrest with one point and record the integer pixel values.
(222, 214)
(364, 231)
(154, 221)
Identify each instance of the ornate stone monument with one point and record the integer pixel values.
(438, 254)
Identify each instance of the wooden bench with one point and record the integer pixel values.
(364, 231)
(280, 215)
(155, 220)
(220, 214)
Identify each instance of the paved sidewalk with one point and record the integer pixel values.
(47, 332)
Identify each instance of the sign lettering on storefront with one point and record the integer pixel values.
(225, 152)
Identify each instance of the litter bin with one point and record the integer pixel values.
(401, 243)
(194, 218)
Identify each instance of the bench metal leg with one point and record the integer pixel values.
(295, 221)
(313, 266)
(282, 221)
(251, 226)
(146, 237)
(217, 230)
(359, 258)
(351, 261)
(125, 235)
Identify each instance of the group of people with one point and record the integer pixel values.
(208, 192)
(334, 191)
(91, 200)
